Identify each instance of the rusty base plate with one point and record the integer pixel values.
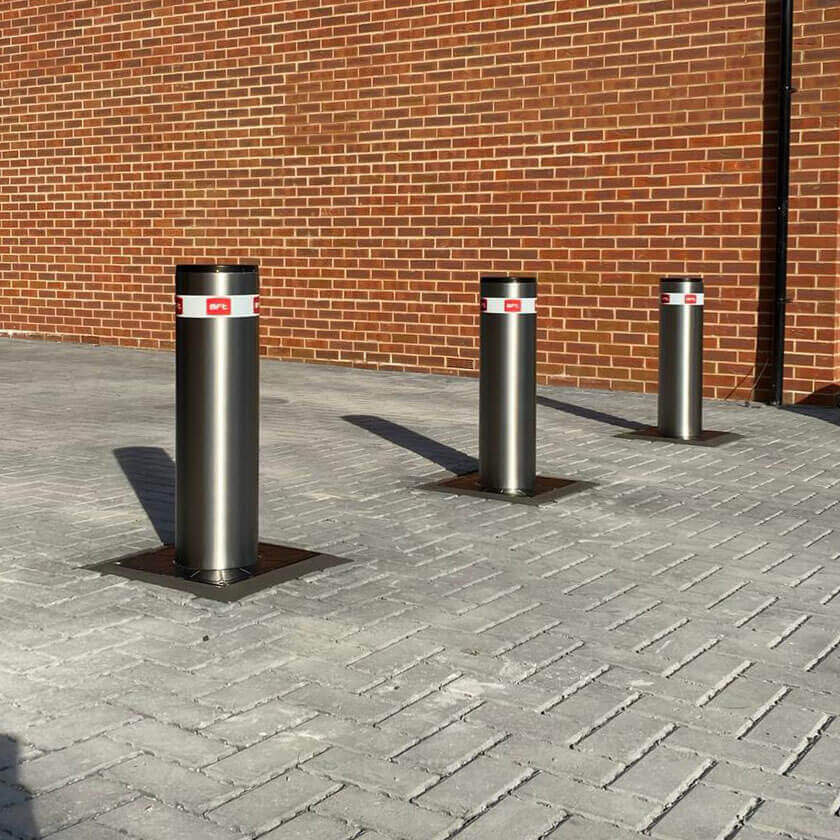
(707, 437)
(546, 489)
(275, 564)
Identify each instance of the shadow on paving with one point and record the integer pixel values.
(152, 475)
(450, 459)
(590, 413)
(16, 818)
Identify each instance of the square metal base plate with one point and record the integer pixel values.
(546, 489)
(707, 437)
(275, 564)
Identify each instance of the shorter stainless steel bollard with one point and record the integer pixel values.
(681, 357)
(217, 421)
(508, 385)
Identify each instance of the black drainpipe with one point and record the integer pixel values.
(782, 195)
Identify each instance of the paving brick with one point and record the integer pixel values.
(701, 813)
(450, 748)
(775, 816)
(171, 742)
(144, 818)
(88, 830)
(64, 731)
(772, 786)
(375, 774)
(473, 787)
(556, 759)
(340, 703)
(264, 807)
(578, 828)
(256, 724)
(265, 759)
(380, 741)
(820, 763)
(511, 817)
(400, 820)
(577, 797)
(71, 764)
(72, 803)
(658, 774)
(171, 783)
(784, 726)
(309, 826)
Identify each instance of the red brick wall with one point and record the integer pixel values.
(376, 156)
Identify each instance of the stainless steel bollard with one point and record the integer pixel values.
(681, 357)
(217, 421)
(508, 386)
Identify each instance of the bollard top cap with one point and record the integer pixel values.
(217, 280)
(681, 284)
(507, 286)
(214, 269)
(506, 278)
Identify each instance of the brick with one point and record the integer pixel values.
(511, 817)
(475, 786)
(309, 826)
(702, 813)
(89, 831)
(256, 724)
(262, 808)
(771, 786)
(171, 742)
(70, 764)
(144, 818)
(577, 827)
(819, 764)
(658, 774)
(773, 816)
(170, 783)
(450, 748)
(268, 758)
(374, 774)
(573, 796)
(391, 817)
(554, 758)
(70, 804)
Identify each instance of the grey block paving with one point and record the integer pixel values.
(657, 656)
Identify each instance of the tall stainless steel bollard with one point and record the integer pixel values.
(217, 421)
(681, 357)
(508, 386)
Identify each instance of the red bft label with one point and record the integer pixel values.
(257, 304)
(666, 298)
(484, 304)
(179, 305)
(513, 305)
(218, 306)
(691, 298)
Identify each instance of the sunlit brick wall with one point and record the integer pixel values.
(376, 156)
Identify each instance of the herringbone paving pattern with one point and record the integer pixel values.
(658, 656)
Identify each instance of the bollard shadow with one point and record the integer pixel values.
(151, 473)
(450, 459)
(17, 817)
(590, 414)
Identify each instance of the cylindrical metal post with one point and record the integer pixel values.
(508, 386)
(681, 357)
(217, 420)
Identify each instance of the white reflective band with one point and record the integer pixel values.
(509, 306)
(681, 299)
(217, 306)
